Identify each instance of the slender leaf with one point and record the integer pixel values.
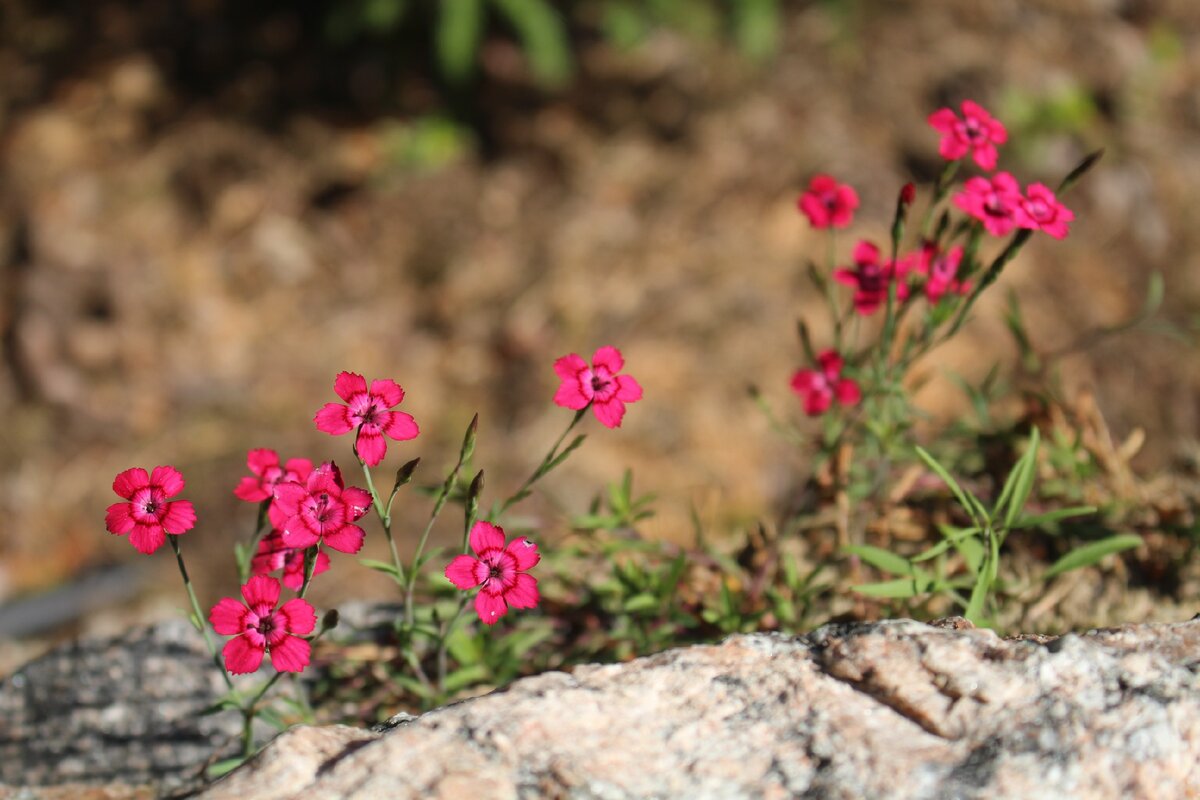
(952, 484)
(756, 27)
(1020, 482)
(544, 37)
(458, 35)
(465, 676)
(897, 589)
(1052, 516)
(979, 593)
(643, 601)
(380, 566)
(880, 558)
(1089, 554)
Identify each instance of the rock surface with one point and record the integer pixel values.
(896, 709)
(118, 714)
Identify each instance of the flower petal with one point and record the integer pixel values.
(462, 572)
(388, 391)
(180, 517)
(609, 357)
(401, 427)
(259, 459)
(347, 539)
(261, 590)
(523, 593)
(486, 536)
(291, 654)
(334, 419)
(169, 479)
(628, 389)
(117, 519)
(228, 616)
(848, 393)
(129, 481)
(570, 395)
(301, 616)
(147, 538)
(241, 656)
(609, 412)
(490, 607)
(943, 120)
(250, 490)
(524, 552)
(568, 367)
(370, 446)
(348, 384)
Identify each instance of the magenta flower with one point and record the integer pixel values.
(940, 268)
(1040, 209)
(367, 410)
(818, 387)
(150, 514)
(976, 132)
(321, 510)
(994, 202)
(274, 555)
(258, 627)
(499, 572)
(870, 278)
(267, 473)
(598, 385)
(828, 203)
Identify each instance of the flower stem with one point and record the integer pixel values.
(385, 520)
(197, 615)
(552, 460)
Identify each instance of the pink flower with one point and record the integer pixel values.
(994, 202)
(828, 203)
(320, 511)
(977, 132)
(148, 516)
(598, 385)
(273, 554)
(258, 627)
(1040, 209)
(940, 268)
(267, 473)
(819, 387)
(871, 279)
(499, 572)
(367, 409)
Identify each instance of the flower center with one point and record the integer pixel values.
(598, 384)
(266, 625)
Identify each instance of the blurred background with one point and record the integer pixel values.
(208, 208)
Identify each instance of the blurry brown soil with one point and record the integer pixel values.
(182, 277)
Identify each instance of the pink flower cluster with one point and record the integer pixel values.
(819, 387)
(1000, 205)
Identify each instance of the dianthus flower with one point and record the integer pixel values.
(273, 555)
(994, 202)
(598, 385)
(818, 387)
(267, 472)
(150, 514)
(828, 203)
(940, 268)
(320, 510)
(499, 572)
(870, 278)
(258, 627)
(1039, 209)
(976, 132)
(367, 409)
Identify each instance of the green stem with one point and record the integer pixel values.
(547, 464)
(385, 520)
(443, 638)
(260, 530)
(197, 614)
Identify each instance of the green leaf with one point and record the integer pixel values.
(895, 589)
(413, 686)
(466, 676)
(979, 593)
(1089, 554)
(1052, 516)
(465, 647)
(1019, 483)
(224, 767)
(952, 484)
(458, 34)
(880, 558)
(1074, 175)
(756, 26)
(544, 37)
(380, 566)
(944, 545)
(643, 601)
(561, 457)
(971, 549)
